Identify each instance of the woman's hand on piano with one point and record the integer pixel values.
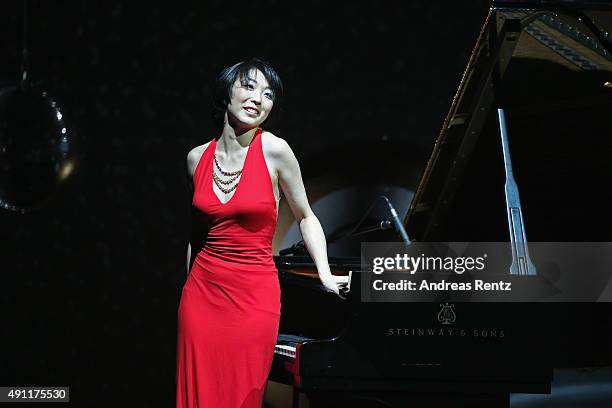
(336, 284)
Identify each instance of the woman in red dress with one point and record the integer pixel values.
(230, 304)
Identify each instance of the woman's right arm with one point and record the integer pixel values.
(188, 257)
(192, 162)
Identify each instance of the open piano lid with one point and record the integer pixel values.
(549, 65)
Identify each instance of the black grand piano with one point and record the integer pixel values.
(547, 66)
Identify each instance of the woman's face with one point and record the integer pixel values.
(251, 101)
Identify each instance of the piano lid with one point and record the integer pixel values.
(549, 65)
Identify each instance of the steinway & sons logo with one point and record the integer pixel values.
(446, 316)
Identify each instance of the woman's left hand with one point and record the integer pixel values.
(336, 284)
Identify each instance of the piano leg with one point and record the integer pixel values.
(296, 398)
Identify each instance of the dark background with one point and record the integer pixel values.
(90, 284)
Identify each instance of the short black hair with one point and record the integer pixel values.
(222, 89)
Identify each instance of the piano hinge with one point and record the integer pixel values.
(458, 119)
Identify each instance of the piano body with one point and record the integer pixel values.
(548, 64)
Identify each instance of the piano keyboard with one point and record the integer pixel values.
(285, 350)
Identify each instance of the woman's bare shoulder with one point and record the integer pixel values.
(273, 145)
(193, 157)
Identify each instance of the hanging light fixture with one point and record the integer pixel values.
(37, 152)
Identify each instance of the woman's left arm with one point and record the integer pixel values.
(290, 179)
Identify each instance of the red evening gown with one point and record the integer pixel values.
(229, 311)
